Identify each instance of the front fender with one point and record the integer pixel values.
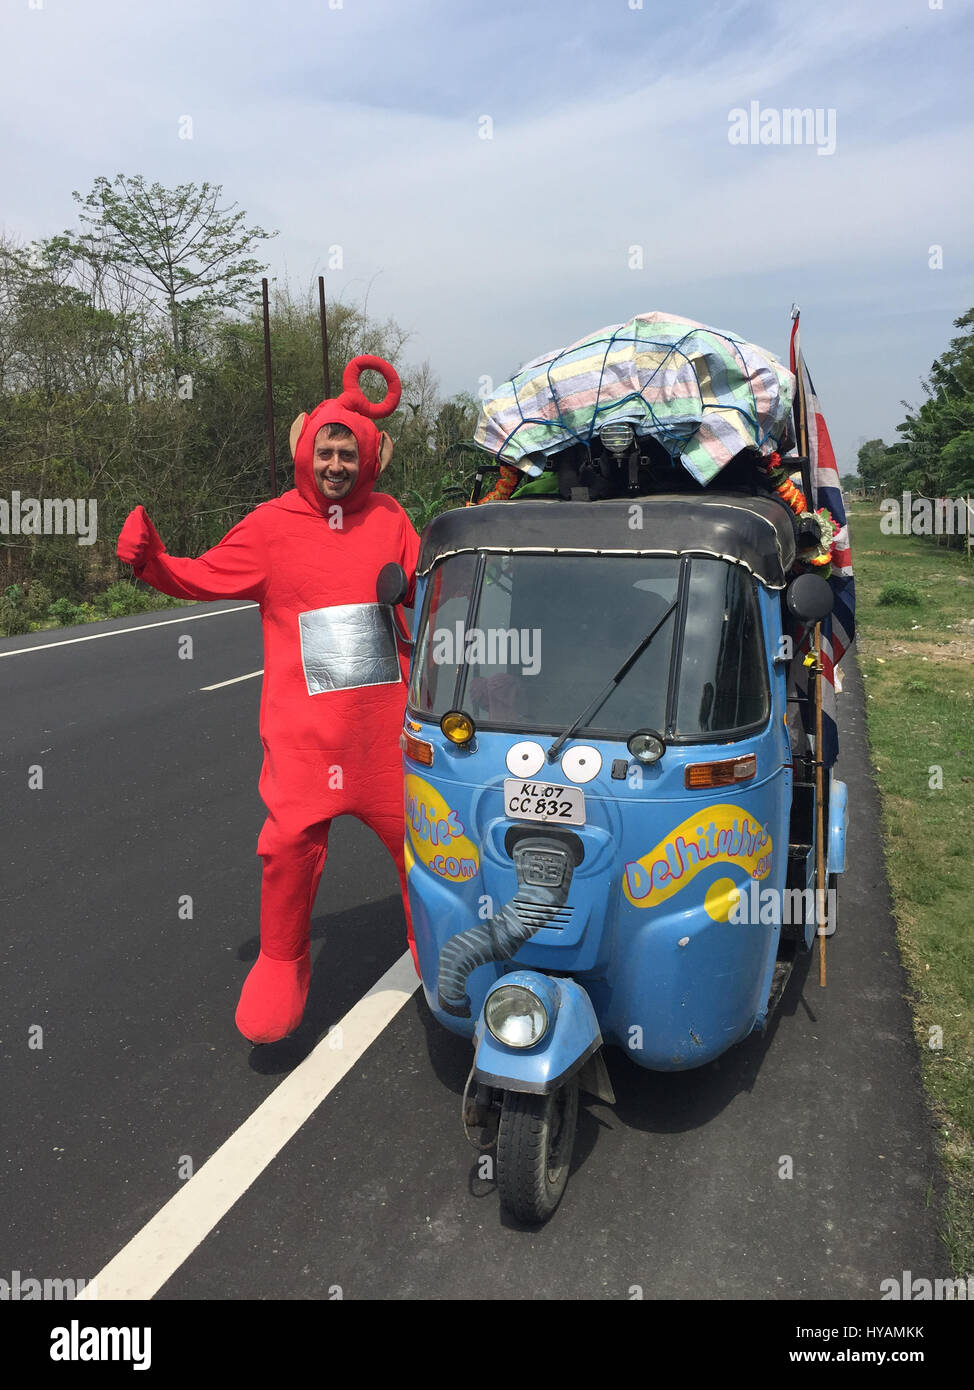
(572, 1037)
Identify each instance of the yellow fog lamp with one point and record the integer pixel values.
(457, 727)
(646, 746)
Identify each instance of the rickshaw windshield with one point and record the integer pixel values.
(526, 642)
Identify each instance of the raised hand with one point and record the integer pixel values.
(138, 539)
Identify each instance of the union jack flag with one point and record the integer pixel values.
(839, 629)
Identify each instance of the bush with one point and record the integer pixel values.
(63, 612)
(122, 599)
(37, 602)
(20, 611)
(896, 592)
(13, 612)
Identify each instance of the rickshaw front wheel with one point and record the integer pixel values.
(534, 1150)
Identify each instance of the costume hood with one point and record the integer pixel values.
(354, 409)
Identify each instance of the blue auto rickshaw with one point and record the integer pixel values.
(610, 839)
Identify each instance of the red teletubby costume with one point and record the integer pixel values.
(334, 686)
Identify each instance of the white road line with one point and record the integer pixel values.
(141, 1268)
(123, 631)
(220, 684)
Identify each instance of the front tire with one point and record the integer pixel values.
(534, 1150)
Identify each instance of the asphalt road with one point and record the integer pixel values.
(149, 795)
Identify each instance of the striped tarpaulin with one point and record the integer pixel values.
(703, 394)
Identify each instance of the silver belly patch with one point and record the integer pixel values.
(348, 646)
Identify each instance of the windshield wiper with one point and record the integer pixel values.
(601, 698)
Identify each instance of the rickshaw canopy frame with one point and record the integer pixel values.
(756, 532)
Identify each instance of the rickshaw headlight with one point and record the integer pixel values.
(646, 745)
(458, 727)
(515, 1015)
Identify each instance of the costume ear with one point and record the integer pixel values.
(296, 429)
(385, 451)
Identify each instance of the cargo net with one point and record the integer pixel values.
(703, 394)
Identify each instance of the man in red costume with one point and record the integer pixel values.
(334, 688)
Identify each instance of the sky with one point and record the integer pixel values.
(504, 178)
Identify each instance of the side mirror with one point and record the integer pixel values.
(809, 598)
(392, 585)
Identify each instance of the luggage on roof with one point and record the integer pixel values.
(701, 394)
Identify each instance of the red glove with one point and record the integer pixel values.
(138, 539)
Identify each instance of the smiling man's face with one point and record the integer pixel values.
(335, 462)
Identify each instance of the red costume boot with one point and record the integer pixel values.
(334, 688)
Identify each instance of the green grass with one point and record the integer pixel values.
(915, 637)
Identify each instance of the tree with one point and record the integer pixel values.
(940, 466)
(957, 459)
(53, 337)
(188, 255)
(872, 463)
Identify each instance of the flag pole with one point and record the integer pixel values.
(801, 420)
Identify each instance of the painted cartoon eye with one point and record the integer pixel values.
(581, 764)
(525, 759)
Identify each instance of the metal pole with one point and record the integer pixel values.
(324, 338)
(269, 389)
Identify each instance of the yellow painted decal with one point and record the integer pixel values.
(435, 833)
(723, 834)
(721, 898)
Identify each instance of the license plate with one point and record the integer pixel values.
(544, 801)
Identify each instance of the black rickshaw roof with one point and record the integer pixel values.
(754, 531)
